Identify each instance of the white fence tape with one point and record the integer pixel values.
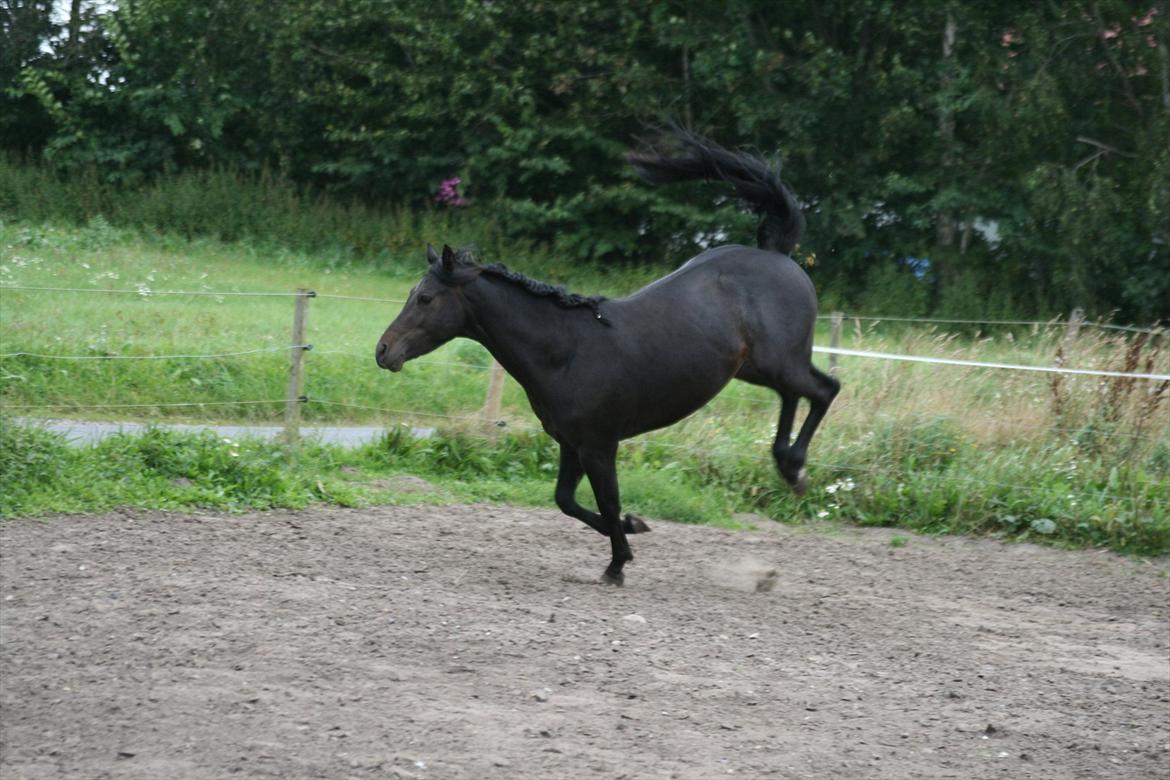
(1053, 323)
(974, 364)
(154, 357)
(147, 293)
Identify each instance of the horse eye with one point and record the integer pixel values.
(425, 297)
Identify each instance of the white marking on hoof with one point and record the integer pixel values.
(800, 486)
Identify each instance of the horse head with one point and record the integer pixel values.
(434, 312)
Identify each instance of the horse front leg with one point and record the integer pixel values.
(600, 466)
(568, 478)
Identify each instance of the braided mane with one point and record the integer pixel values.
(561, 296)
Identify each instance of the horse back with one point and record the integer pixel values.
(731, 285)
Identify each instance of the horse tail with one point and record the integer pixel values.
(750, 177)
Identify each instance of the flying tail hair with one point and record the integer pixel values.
(684, 156)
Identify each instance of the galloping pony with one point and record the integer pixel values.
(600, 370)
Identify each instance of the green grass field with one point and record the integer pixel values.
(1078, 460)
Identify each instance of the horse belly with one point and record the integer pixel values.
(663, 360)
(676, 395)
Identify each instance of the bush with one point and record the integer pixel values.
(29, 457)
(225, 472)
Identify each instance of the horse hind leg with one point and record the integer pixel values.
(820, 389)
(783, 443)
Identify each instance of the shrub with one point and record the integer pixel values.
(29, 455)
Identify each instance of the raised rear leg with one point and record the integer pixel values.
(788, 403)
(568, 478)
(820, 389)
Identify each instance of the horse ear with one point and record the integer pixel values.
(432, 255)
(448, 258)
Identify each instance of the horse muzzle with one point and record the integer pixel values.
(390, 359)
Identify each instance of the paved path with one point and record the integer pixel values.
(80, 432)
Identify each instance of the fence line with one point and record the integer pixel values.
(976, 364)
(1053, 323)
(475, 367)
(155, 357)
(147, 293)
(416, 361)
(358, 298)
(137, 406)
(295, 397)
(847, 353)
(406, 412)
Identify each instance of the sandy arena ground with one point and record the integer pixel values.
(475, 642)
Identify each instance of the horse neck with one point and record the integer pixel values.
(523, 332)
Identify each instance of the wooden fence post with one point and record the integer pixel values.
(495, 394)
(835, 339)
(1071, 328)
(1075, 320)
(296, 369)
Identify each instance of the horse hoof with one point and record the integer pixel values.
(800, 484)
(616, 580)
(635, 525)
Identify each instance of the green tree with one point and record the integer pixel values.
(981, 158)
(24, 29)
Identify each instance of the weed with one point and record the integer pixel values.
(30, 458)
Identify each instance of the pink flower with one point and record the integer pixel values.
(448, 194)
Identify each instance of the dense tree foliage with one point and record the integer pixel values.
(959, 157)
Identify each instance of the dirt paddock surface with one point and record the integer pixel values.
(476, 642)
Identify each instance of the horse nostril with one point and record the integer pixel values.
(381, 348)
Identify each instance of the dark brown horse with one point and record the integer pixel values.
(597, 371)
